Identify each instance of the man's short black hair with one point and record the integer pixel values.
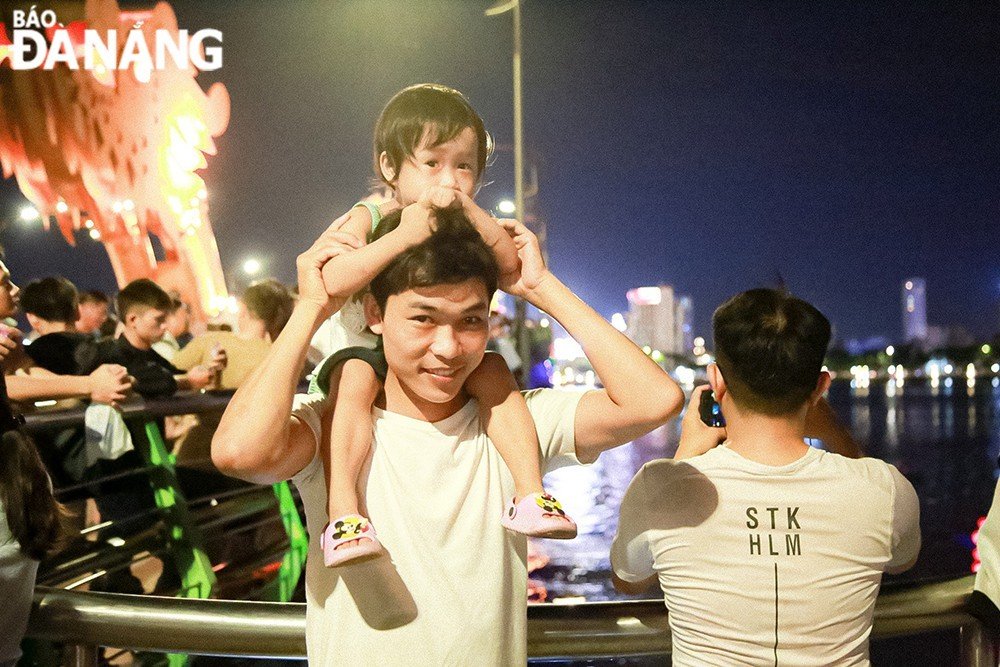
(142, 294)
(54, 299)
(94, 296)
(454, 253)
(770, 346)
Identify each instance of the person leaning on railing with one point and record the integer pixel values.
(52, 368)
(766, 549)
(108, 383)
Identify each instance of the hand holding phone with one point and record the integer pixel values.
(710, 411)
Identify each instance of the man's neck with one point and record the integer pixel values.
(765, 439)
(43, 328)
(135, 341)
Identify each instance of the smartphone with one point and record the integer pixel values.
(710, 411)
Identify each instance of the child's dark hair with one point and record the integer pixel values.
(142, 293)
(32, 512)
(454, 253)
(770, 346)
(53, 299)
(411, 111)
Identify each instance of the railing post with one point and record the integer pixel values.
(186, 541)
(79, 655)
(978, 648)
(298, 543)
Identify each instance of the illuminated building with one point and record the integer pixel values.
(914, 302)
(660, 319)
(685, 323)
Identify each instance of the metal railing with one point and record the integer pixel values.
(172, 526)
(83, 621)
(590, 629)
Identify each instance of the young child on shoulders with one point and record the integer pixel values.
(431, 148)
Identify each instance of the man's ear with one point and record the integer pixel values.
(33, 320)
(716, 381)
(373, 314)
(822, 384)
(385, 166)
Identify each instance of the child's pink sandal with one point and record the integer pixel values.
(346, 529)
(538, 515)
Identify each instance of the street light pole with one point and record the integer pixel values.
(520, 306)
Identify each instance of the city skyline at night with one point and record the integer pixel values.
(836, 149)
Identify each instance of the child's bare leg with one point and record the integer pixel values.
(508, 423)
(356, 386)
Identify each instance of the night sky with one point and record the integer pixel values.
(708, 146)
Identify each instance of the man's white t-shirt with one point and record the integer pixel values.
(767, 564)
(453, 589)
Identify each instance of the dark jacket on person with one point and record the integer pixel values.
(63, 352)
(74, 353)
(154, 375)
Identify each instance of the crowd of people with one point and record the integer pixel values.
(765, 549)
(81, 349)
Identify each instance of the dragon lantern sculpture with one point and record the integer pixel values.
(117, 151)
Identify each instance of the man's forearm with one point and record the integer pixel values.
(36, 387)
(254, 429)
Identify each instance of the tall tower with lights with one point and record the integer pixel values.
(914, 304)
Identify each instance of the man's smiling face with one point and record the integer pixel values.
(434, 337)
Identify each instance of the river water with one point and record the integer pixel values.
(944, 438)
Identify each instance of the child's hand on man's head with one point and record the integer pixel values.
(441, 197)
(530, 270)
(420, 217)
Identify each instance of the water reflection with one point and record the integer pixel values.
(946, 442)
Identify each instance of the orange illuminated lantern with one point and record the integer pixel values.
(119, 151)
